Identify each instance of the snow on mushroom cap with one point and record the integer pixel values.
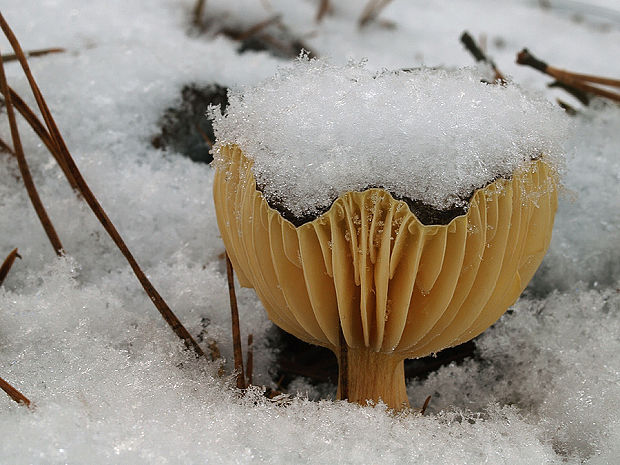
(317, 130)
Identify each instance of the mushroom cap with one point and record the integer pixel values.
(370, 266)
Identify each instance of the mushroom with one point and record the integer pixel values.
(369, 275)
(370, 282)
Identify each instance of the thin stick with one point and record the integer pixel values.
(60, 148)
(7, 264)
(524, 57)
(214, 350)
(252, 31)
(236, 333)
(561, 73)
(93, 203)
(4, 147)
(470, 44)
(580, 95)
(204, 135)
(32, 53)
(40, 130)
(425, 406)
(30, 118)
(249, 364)
(322, 11)
(215, 355)
(589, 88)
(14, 393)
(199, 8)
(566, 107)
(285, 48)
(371, 11)
(25, 170)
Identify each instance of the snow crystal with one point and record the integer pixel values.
(559, 367)
(111, 384)
(586, 238)
(316, 131)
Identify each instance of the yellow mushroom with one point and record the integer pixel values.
(369, 281)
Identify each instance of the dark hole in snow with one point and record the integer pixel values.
(318, 364)
(185, 128)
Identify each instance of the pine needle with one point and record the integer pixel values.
(89, 197)
(14, 393)
(7, 264)
(236, 332)
(35, 199)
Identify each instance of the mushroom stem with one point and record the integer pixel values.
(368, 375)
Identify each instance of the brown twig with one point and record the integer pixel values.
(272, 393)
(4, 147)
(580, 95)
(590, 88)
(14, 393)
(216, 355)
(197, 12)
(322, 11)
(32, 53)
(30, 118)
(252, 31)
(425, 406)
(566, 107)
(578, 81)
(40, 130)
(371, 11)
(249, 364)
(470, 44)
(57, 139)
(25, 170)
(214, 350)
(7, 264)
(291, 50)
(204, 135)
(93, 203)
(236, 333)
(563, 74)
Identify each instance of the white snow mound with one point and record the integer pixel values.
(316, 130)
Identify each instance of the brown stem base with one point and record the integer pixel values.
(367, 375)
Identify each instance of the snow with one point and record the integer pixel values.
(587, 230)
(316, 131)
(564, 384)
(112, 383)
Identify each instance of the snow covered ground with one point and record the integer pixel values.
(112, 383)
